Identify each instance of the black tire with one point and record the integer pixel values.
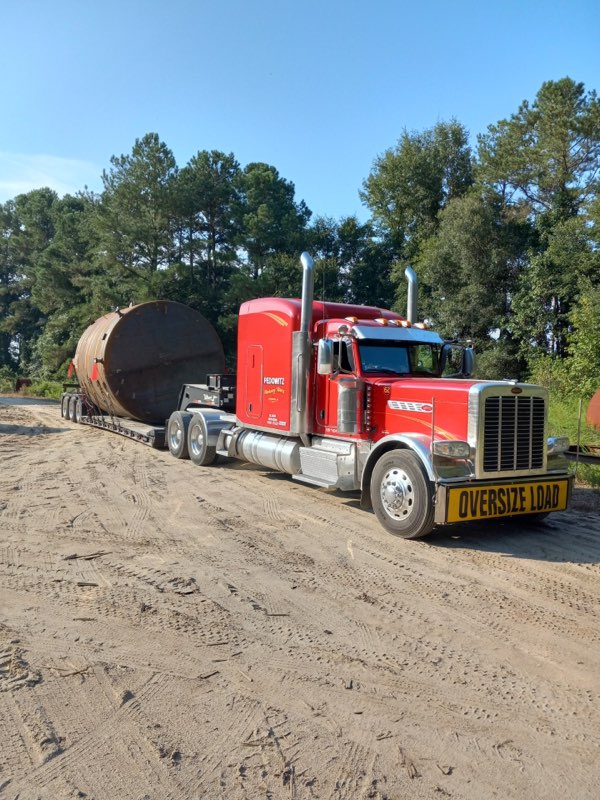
(177, 429)
(78, 409)
(73, 409)
(199, 450)
(64, 406)
(402, 495)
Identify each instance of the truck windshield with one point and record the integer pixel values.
(399, 358)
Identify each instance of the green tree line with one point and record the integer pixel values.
(504, 236)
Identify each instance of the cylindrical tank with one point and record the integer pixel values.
(266, 450)
(593, 411)
(133, 362)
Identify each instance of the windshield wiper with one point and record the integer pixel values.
(387, 370)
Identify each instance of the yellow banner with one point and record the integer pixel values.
(503, 500)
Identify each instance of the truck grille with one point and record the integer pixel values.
(513, 433)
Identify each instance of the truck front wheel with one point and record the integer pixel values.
(402, 495)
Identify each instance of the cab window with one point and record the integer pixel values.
(342, 351)
(423, 359)
(398, 358)
(384, 357)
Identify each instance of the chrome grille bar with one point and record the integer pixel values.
(513, 433)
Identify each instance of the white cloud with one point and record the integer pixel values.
(21, 172)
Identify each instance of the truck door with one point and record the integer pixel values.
(326, 395)
(254, 380)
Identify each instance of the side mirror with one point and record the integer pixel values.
(468, 362)
(325, 357)
(457, 361)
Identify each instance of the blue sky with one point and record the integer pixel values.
(316, 88)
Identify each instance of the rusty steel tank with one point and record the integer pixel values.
(593, 411)
(132, 362)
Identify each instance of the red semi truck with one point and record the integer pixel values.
(357, 398)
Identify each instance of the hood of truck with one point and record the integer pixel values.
(419, 405)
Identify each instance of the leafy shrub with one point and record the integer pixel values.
(563, 420)
(584, 344)
(554, 374)
(498, 362)
(50, 389)
(7, 380)
(578, 374)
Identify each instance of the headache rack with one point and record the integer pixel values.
(218, 392)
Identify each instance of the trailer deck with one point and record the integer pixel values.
(151, 435)
(585, 454)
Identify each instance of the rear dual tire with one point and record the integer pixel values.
(65, 402)
(200, 452)
(78, 409)
(71, 407)
(177, 433)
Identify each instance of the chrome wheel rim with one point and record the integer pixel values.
(175, 436)
(197, 440)
(397, 494)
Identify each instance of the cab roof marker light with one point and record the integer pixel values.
(353, 320)
(422, 325)
(382, 320)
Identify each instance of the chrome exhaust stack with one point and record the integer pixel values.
(308, 283)
(301, 352)
(411, 302)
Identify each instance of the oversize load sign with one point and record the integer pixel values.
(484, 502)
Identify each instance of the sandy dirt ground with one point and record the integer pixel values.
(175, 632)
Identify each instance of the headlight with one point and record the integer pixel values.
(452, 449)
(558, 444)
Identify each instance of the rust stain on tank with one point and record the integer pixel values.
(133, 362)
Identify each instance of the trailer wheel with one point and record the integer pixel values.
(78, 409)
(177, 429)
(200, 452)
(402, 495)
(64, 406)
(73, 409)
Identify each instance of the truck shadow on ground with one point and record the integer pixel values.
(24, 430)
(563, 538)
(570, 537)
(8, 400)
